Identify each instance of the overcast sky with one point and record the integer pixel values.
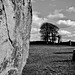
(59, 12)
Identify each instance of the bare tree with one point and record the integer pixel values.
(15, 26)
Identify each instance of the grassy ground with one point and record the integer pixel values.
(50, 60)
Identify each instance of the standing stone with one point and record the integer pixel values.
(15, 26)
(73, 57)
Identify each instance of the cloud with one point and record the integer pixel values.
(66, 35)
(72, 35)
(35, 30)
(36, 23)
(56, 14)
(32, 0)
(53, 0)
(38, 20)
(64, 32)
(66, 22)
(35, 37)
(71, 9)
(36, 0)
(65, 39)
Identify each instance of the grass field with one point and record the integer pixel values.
(50, 60)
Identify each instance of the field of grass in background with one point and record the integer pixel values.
(50, 60)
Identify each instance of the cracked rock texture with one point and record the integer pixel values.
(15, 26)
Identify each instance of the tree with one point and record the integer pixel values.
(48, 32)
(15, 26)
(59, 38)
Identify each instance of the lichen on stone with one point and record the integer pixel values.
(3, 65)
(12, 72)
(15, 26)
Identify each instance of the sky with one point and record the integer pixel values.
(58, 12)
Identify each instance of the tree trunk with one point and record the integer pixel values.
(15, 26)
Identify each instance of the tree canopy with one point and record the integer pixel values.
(48, 32)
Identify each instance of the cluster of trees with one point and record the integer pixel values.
(49, 32)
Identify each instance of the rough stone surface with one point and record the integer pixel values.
(15, 26)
